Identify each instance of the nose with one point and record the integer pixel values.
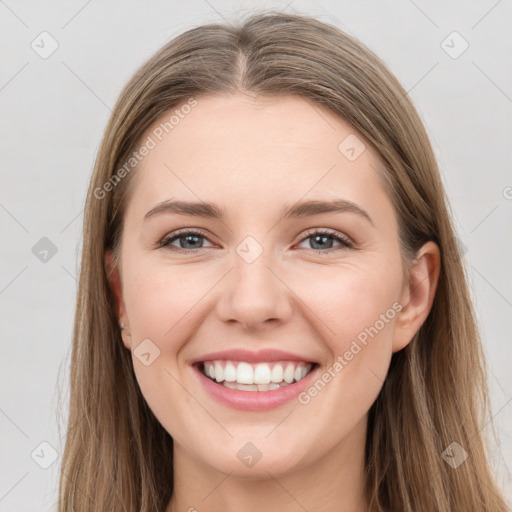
(254, 296)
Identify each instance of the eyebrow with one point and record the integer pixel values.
(300, 209)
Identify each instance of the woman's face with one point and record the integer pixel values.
(255, 291)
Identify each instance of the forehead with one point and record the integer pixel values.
(254, 151)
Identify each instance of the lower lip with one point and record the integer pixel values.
(255, 400)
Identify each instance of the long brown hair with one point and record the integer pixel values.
(117, 455)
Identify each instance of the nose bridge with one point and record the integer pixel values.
(253, 294)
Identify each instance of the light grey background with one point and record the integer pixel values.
(54, 111)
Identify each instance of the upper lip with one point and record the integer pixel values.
(260, 356)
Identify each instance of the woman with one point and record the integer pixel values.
(272, 311)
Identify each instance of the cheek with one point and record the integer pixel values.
(158, 298)
(160, 302)
(355, 310)
(360, 311)
(351, 302)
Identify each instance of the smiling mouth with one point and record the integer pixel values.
(263, 376)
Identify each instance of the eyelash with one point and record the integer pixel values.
(343, 240)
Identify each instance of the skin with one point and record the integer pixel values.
(253, 156)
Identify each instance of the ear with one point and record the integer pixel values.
(418, 294)
(114, 279)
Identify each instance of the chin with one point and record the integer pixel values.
(250, 462)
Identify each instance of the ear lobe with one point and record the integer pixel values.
(418, 295)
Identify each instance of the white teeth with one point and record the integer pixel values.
(244, 374)
(241, 387)
(268, 387)
(251, 387)
(262, 374)
(219, 372)
(230, 372)
(230, 385)
(300, 372)
(289, 373)
(277, 373)
(255, 377)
